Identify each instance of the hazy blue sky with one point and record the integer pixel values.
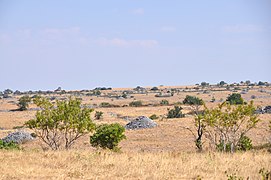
(82, 44)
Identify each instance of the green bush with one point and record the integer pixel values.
(164, 102)
(176, 112)
(24, 103)
(154, 116)
(9, 145)
(235, 98)
(105, 104)
(98, 114)
(192, 100)
(108, 136)
(135, 104)
(244, 144)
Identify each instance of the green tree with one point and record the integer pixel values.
(226, 126)
(196, 103)
(108, 136)
(24, 103)
(222, 83)
(62, 124)
(235, 98)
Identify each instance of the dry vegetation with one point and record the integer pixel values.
(164, 152)
(107, 165)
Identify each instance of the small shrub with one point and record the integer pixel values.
(235, 98)
(154, 116)
(8, 145)
(176, 112)
(24, 103)
(108, 136)
(135, 104)
(105, 104)
(98, 115)
(244, 144)
(164, 102)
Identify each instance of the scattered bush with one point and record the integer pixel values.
(105, 104)
(244, 144)
(135, 104)
(164, 102)
(98, 115)
(192, 100)
(24, 103)
(226, 126)
(154, 89)
(8, 145)
(108, 136)
(62, 124)
(154, 116)
(176, 112)
(235, 98)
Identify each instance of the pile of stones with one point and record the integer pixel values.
(141, 122)
(264, 110)
(18, 137)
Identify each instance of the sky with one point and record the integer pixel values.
(83, 44)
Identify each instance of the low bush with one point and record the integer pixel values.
(108, 136)
(98, 115)
(8, 145)
(176, 112)
(235, 98)
(135, 104)
(154, 116)
(164, 102)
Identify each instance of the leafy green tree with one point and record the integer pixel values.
(204, 84)
(62, 124)
(222, 83)
(235, 98)
(196, 103)
(228, 125)
(108, 136)
(24, 102)
(176, 112)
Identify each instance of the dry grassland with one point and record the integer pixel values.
(106, 165)
(164, 152)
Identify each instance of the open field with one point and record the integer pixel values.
(164, 152)
(106, 165)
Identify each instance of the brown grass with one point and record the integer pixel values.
(107, 165)
(164, 152)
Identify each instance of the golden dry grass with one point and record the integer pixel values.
(107, 165)
(164, 152)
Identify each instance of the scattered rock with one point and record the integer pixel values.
(18, 137)
(264, 110)
(140, 123)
